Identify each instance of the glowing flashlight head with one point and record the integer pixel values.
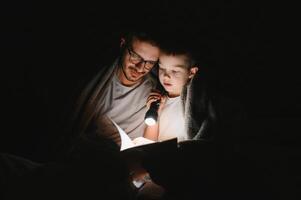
(150, 121)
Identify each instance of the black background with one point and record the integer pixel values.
(48, 51)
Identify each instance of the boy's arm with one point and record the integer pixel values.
(152, 132)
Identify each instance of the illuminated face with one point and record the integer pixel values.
(174, 73)
(138, 60)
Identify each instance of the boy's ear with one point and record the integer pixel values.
(122, 42)
(193, 71)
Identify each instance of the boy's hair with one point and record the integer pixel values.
(186, 41)
(177, 51)
(176, 44)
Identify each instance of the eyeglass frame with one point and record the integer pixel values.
(132, 53)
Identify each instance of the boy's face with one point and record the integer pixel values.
(174, 73)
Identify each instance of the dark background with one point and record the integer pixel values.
(48, 52)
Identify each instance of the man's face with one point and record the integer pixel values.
(173, 73)
(138, 59)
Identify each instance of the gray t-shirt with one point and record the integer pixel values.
(126, 106)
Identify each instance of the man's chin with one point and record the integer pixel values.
(135, 79)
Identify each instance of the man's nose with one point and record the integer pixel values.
(140, 66)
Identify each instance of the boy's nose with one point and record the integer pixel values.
(167, 75)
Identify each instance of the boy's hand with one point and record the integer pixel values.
(154, 96)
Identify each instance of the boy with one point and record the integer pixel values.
(177, 68)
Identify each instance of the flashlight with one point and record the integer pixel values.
(151, 115)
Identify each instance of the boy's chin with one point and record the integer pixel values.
(168, 91)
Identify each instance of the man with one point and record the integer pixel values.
(119, 92)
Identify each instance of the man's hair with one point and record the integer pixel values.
(142, 34)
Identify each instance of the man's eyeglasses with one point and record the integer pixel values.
(136, 59)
